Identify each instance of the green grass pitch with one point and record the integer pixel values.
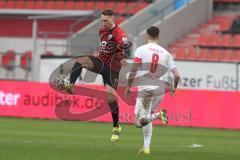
(29, 139)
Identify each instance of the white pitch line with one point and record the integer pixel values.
(194, 146)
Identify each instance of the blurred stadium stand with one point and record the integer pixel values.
(218, 39)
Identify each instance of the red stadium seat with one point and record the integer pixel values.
(235, 41)
(100, 5)
(203, 55)
(213, 40)
(225, 40)
(225, 56)
(68, 5)
(236, 56)
(8, 59)
(2, 4)
(214, 55)
(138, 7)
(202, 40)
(121, 7)
(10, 4)
(40, 4)
(49, 5)
(25, 60)
(112, 5)
(30, 4)
(225, 25)
(20, 4)
(180, 54)
(59, 5)
(191, 54)
(79, 5)
(90, 5)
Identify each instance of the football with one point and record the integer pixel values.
(61, 81)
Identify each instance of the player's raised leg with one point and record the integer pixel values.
(89, 62)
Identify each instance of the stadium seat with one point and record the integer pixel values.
(79, 5)
(49, 5)
(120, 7)
(8, 59)
(136, 6)
(25, 60)
(235, 41)
(20, 4)
(89, 5)
(59, 5)
(180, 54)
(100, 5)
(191, 54)
(225, 25)
(2, 4)
(213, 40)
(226, 55)
(140, 6)
(225, 40)
(112, 5)
(236, 56)
(10, 4)
(213, 55)
(202, 40)
(68, 5)
(203, 55)
(30, 4)
(39, 5)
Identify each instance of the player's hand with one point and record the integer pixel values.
(124, 62)
(127, 92)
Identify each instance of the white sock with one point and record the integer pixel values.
(147, 135)
(147, 118)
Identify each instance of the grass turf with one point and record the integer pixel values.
(29, 139)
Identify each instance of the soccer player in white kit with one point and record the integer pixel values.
(151, 68)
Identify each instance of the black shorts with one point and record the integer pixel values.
(110, 77)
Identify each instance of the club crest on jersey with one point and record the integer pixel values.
(110, 36)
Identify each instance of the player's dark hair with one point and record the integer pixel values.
(107, 12)
(153, 32)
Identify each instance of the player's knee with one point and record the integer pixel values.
(85, 62)
(111, 98)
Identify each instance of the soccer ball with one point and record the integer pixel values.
(61, 81)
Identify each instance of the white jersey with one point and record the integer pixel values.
(156, 63)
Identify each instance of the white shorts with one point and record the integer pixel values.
(148, 100)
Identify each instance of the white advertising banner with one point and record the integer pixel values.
(208, 75)
(194, 75)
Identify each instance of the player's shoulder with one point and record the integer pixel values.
(119, 30)
(141, 50)
(165, 51)
(142, 47)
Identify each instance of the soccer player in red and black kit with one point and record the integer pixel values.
(113, 51)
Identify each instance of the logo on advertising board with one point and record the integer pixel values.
(9, 99)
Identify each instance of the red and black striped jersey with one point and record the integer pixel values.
(111, 47)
